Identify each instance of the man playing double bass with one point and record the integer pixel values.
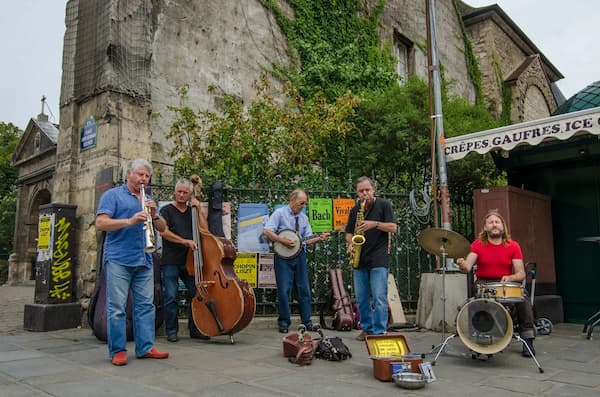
(177, 239)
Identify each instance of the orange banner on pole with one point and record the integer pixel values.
(341, 209)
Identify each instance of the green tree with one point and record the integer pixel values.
(9, 138)
(475, 170)
(265, 142)
(8, 205)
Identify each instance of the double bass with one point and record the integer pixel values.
(223, 304)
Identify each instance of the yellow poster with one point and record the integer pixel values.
(44, 232)
(245, 267)
(341, 210)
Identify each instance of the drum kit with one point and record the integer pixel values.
(483, 324)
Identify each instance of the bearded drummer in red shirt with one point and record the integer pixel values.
(499, 259)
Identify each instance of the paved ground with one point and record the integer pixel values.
(73, 363)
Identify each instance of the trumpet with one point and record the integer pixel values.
(358, 239)
(148, 226)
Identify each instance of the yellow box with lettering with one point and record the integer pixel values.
(386, 350)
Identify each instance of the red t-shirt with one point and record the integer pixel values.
(495, 261)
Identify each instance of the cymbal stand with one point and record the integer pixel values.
(518, 337)
(445, 340)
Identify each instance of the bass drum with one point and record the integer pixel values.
(484, 326)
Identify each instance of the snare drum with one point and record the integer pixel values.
(501, 292)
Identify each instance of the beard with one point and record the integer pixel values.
(495, 233)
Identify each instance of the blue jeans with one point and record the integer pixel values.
(288, 272)
(119, 279)
(170, 277)
(372, 284)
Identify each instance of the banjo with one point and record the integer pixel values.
(285, 252)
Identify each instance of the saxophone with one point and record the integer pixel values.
(358, 239)
(148, 226)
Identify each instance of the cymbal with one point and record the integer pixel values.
(433, 239)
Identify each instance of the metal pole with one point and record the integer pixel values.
(434, 191)
(438, 118)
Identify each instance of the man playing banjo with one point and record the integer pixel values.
(289, 229)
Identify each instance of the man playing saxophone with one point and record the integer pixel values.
(125, 214)
(371, 272)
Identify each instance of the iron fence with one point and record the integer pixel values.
(409, 260)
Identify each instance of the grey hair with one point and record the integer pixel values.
(294, 194)
(140, 162)
(365, 179)
(185, 182)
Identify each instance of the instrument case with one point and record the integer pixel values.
(387, 350)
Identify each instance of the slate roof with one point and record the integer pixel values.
(47, 128)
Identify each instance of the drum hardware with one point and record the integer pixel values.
(543, 325)
(447, 244)
(485, 327)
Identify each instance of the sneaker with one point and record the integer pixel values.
(172, 338)
(120, 358)
(525, 352)
(283, 330)
(154, 353)
(361, 336)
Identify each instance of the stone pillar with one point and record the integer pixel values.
(55, 297)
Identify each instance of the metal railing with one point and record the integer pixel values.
(409, 261)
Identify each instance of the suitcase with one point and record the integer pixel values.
(390, 352)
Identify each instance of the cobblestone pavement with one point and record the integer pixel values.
(12, 303)
(73, 362)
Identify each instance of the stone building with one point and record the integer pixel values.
(35, 160)
(125, 60)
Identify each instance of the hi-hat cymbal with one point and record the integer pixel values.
(433, 239)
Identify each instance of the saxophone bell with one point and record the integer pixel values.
(358, 239)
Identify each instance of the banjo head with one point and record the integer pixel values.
(284, 251)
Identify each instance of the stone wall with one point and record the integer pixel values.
(122, 135)
(503, 59)
(408, 18)
(224, 44)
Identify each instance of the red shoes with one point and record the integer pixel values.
(119, 359)
(153, 353)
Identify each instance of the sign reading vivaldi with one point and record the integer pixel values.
(533, 132)
(341, 210)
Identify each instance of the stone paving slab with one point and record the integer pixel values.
(74, 363)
